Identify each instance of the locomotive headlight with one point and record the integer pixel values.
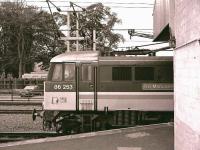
(59, 100)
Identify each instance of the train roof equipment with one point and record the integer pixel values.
(77, 56)
(94, 56)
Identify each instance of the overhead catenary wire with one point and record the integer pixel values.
(67, 8)
(156, 43)
(138, 7)
(84, 2)
(54, 23)
(109, 4)
(114, 29)
(92, 2)
(152, 44)
(121, 29)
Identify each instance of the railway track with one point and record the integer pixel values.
(17, 97)
(16, 103)
(18, 136)
(17, 100)
(21, 111)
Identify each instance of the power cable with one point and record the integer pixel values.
(5, 23)
(125, 29)
(54, 23)
(58, 8)
(118, 3)
(152, 44)
(108, 6)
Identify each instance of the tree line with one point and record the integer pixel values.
(30, 35)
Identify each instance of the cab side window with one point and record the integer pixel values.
(86, 72)
(57, 72)
(69, 73)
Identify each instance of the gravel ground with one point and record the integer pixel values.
(19, 122)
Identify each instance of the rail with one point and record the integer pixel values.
(17, 103)
(8, 97)
(18, 111)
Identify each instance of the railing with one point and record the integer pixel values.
(10, 89)
(19, 83)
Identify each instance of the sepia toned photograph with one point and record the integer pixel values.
(99, 75)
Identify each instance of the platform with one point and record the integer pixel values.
(149, 137)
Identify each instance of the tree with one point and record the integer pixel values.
(29, 35)
(25, 34)
(98, 17)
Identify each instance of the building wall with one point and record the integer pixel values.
(187, 75)
(163, 15)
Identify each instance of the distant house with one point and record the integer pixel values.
(36, 74)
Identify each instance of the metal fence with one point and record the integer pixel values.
(10, 88)
(19, 83)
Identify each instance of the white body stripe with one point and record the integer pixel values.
(143, 101)
(128, 93)
(59, 101)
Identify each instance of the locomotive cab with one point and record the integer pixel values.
(71, 85)
(69, 76)
(60, 88)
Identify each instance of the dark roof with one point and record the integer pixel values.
(164, 35)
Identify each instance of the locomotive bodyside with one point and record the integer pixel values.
(84, 85)
(136, 83)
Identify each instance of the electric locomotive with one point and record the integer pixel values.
(87, 92)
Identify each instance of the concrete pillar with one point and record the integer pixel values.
(187, 75)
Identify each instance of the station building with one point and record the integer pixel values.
(178, 21)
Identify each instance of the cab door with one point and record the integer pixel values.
(87, 87)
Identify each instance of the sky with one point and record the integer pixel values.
(134, 14)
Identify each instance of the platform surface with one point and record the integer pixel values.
(150, 137)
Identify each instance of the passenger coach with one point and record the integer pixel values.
(87, 92)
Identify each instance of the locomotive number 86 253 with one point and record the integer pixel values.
(86, 92)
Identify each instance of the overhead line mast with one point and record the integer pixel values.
(131, 32)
